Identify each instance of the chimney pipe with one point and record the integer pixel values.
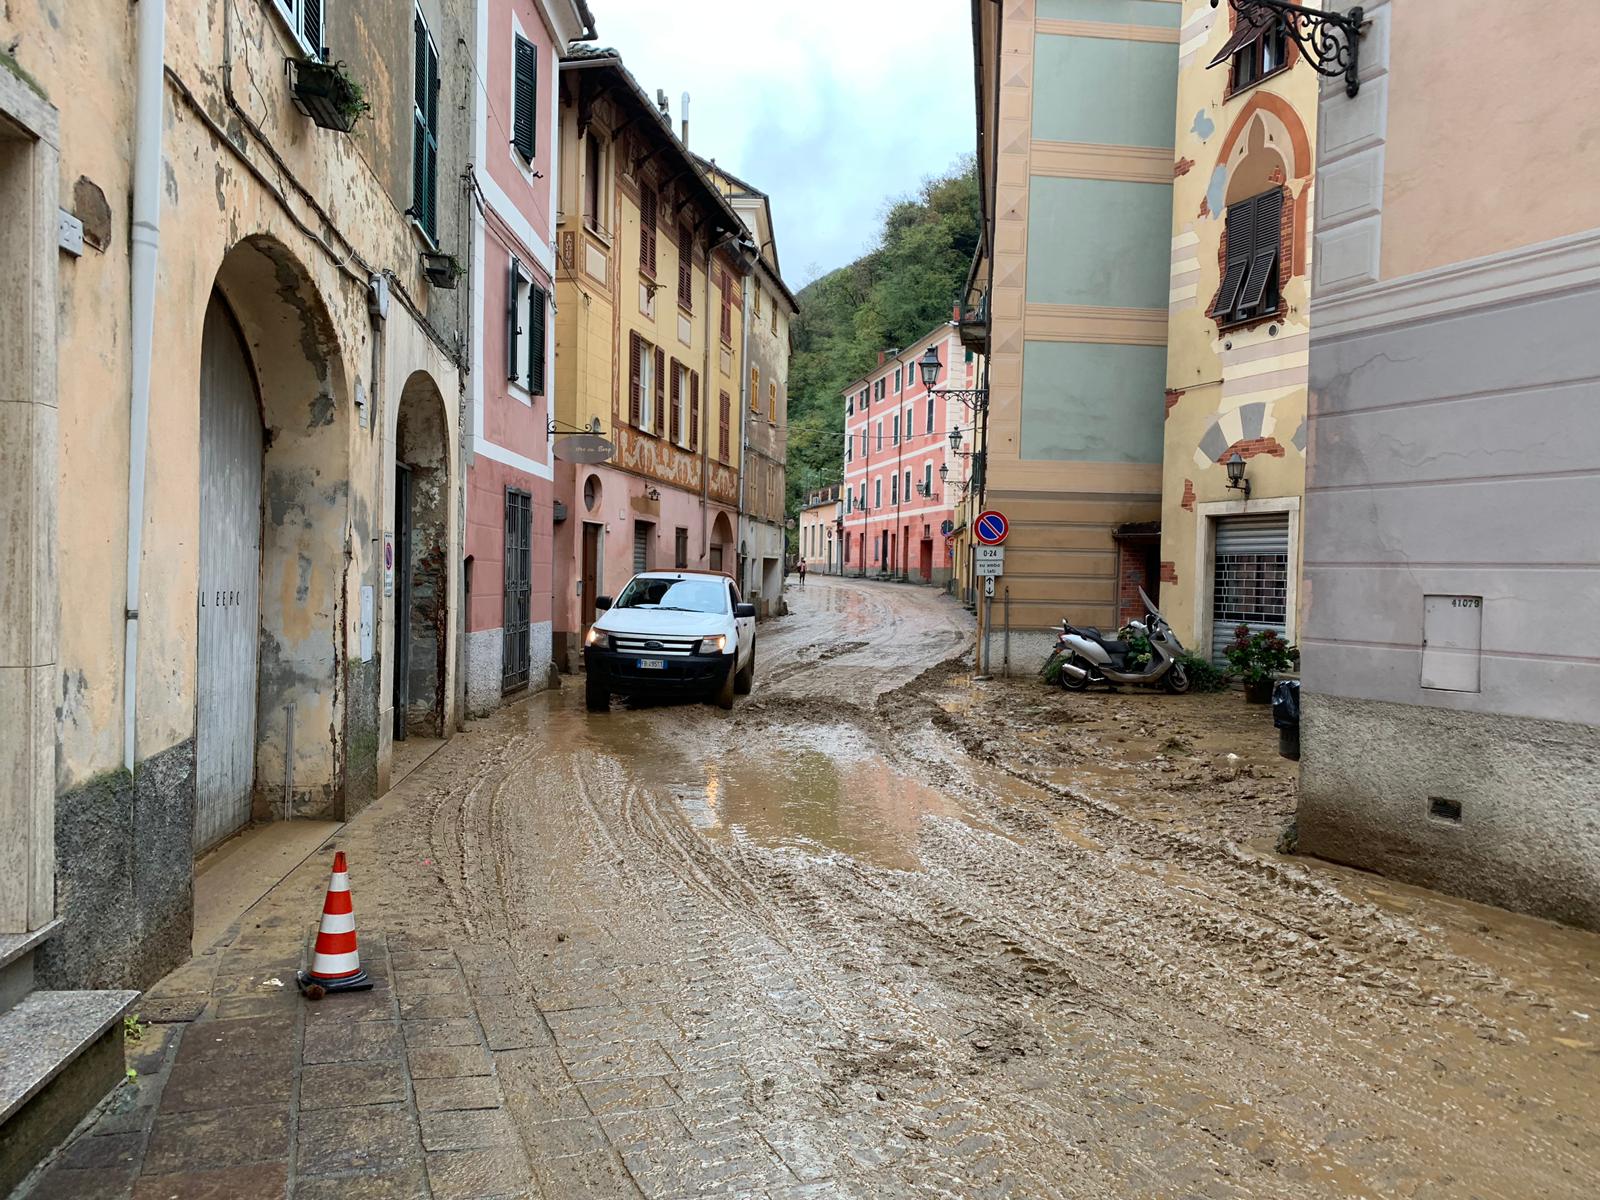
(683, 117)
(661, 104)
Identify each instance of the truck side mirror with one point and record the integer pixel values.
(744, 610)
(602, 603)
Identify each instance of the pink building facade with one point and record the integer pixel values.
(509, 505)
(897, 510)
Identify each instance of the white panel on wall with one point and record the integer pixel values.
(1452, 642)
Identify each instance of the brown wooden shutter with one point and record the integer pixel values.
(694, 410)
(1239, 231)
(1247, 28)
(724, 418)
(635, 354)
(661, 370)
(677, 403)
(685, 267)
(1266, 243)
(647, 230)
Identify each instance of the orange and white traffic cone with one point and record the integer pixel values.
(335, 965)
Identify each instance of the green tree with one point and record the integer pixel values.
(889, 297)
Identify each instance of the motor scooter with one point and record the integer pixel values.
(1089, 657)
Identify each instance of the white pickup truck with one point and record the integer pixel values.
(671, 632)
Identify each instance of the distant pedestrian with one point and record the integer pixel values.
(800, 570)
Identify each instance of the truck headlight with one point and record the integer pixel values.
(596, 637)
(714, 645)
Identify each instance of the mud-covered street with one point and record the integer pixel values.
(883, 932)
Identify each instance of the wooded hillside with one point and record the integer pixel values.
(888, 297)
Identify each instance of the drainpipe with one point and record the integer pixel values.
(744, 525)
(145, 253)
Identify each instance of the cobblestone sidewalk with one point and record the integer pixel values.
(244, 1089)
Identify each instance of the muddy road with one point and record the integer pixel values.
(883, 932)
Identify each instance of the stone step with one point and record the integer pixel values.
(45, 1032)
(16, 961)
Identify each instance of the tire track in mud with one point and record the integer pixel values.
(1024, 1015)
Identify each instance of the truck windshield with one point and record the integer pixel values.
(676, 595)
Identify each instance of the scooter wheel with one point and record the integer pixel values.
(1070, 683)
(1177, 679)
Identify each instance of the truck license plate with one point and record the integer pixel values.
(652, 664)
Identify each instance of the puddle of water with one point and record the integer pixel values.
(812, 798)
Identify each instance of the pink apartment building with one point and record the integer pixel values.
(509, 467)
(897, 510)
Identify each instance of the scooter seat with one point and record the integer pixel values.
(1111, 647)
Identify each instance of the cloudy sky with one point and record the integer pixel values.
(832, 107)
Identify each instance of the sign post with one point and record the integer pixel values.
(991, 529)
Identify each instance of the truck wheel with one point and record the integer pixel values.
(746, 679)
(596, 698)
(725, 692)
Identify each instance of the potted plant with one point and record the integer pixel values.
(327, 94)
(1257, 658)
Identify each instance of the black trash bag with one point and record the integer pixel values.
(1286, 704)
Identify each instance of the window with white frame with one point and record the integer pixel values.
(306, 22)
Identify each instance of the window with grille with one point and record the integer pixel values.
(305, 19)
(524, 99)
(1250, 577)
(1252, 254)
(425, 130)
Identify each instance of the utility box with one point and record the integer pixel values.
(1452, 642)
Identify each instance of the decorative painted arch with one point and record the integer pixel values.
(1279, 116)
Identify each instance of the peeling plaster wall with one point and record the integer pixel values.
(329, 207)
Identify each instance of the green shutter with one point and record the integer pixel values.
(537, 301)
(525, 99)
(513, 319)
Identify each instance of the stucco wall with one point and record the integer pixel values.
(242, 180)
(1445, 153)
(1240, 390)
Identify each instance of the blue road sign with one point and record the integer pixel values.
(991, 528)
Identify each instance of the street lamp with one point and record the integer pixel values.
(1236, 480)
(976, 399)
(928, 364)
(944, 472)
(955, 438)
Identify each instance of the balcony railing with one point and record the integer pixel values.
(973, 323)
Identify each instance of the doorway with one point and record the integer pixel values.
(516, 654)
(422, 561)
(590, 580)
(231, 448)
(927, 560)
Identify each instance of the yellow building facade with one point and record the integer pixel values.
(651, 273)
(1238, 331)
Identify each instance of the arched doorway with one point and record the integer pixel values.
(274, 509)
(422, 560)
(721, 549)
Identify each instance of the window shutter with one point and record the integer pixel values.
(1266, 241)
(724, 419)
(694, 410)
(538, 299)
(311, 27)
(419, 132)
(677, 402)
(661, 370)
(647, 230)
(1239, 230)
(513, 320)
(635, 355)
(685, 267)
(525, 104)
(1247, 29)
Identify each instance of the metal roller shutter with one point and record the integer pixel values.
(1250, 577)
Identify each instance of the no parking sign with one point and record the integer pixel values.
(991, 527)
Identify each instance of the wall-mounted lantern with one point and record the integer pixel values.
(1236, 480)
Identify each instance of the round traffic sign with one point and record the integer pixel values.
(991, 527)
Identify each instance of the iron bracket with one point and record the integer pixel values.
(1331, 41)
